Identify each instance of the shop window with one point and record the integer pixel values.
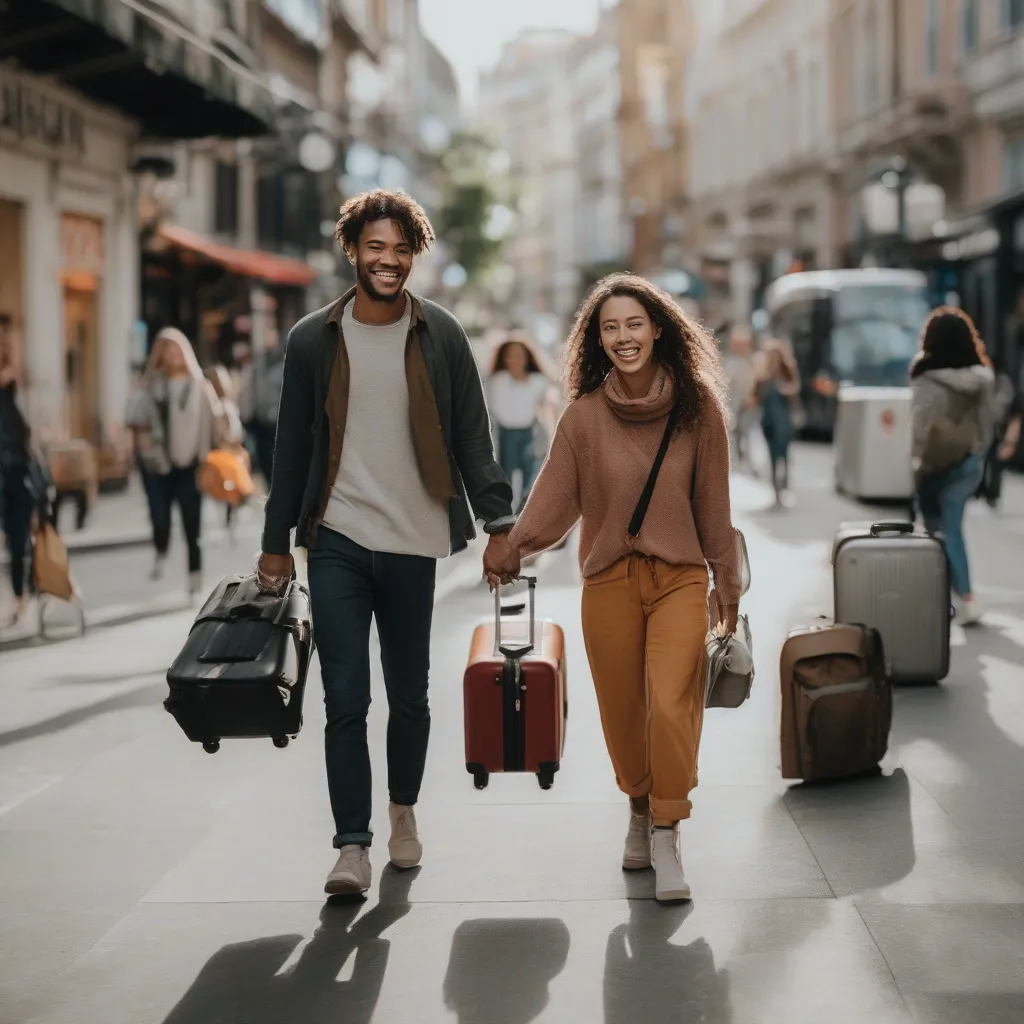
(968, 26)
(1015, 163)
(1013, 14)
(225, 198)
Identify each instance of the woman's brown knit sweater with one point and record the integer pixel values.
(599, 461)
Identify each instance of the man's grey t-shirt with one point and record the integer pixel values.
(378, 498)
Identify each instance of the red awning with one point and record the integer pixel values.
(263, 266)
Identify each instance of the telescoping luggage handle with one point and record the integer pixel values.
(513, 651)
(900, 527)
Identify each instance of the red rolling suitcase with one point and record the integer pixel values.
(515, 696)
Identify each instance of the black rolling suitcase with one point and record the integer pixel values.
(242, 671)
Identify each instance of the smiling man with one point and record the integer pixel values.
(383, 449)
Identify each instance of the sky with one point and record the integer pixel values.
(472, 39)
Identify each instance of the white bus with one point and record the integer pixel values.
(847, 328)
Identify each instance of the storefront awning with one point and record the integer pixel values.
(254, 263)
(173, 85)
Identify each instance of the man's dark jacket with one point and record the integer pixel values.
(304, 450)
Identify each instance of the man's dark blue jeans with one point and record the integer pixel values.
(348, 586)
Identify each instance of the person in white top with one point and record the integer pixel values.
(516, 391)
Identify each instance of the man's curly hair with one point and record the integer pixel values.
(379, 204)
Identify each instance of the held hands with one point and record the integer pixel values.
(501, 561)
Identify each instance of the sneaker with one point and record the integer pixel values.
(404, 846)
(637, 854)
(352, 874)
(670, 883)
(157, 572)
(195, 583)
(970, 612)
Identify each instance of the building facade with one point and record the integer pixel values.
(602, 233)
(69, 172)
(763, 149)
(526, 106)
(655, 43)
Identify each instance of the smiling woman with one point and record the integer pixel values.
(645, 383)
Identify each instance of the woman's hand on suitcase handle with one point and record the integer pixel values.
(273, 572)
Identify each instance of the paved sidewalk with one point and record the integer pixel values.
(144, 881)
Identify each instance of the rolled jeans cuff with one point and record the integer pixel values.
(353, 839)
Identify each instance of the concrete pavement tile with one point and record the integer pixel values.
(743, 846)
(954, 963)
(718, 962)
(61, 891)
(887, 837)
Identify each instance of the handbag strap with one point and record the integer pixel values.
(637, 521)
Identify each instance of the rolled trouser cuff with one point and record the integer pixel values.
(668, 812)
(353, 839)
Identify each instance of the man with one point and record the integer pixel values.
(383, 445)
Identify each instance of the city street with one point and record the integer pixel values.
(144, 881)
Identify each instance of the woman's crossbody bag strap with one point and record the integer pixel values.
(637, 521)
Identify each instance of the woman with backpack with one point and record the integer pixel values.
(645, 382)
(953, 418)
(174, 418)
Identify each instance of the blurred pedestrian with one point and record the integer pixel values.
(264, 382)
(741, 374)
(174, 419)
(383, 458)
(516, 390)
(953, 420)
(229, 434)
(1006, 437)
(16, 502)
(778, 387)
(640, 372)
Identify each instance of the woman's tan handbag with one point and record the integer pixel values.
(51, 572)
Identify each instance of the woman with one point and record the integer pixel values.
(173, 420)
(516, 388)
(635, 360)
(16, 501)
(777, 387)
(741, 374)
(952, 413)
(230, 434)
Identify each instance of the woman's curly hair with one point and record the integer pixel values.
(379, 204)
(686, 350)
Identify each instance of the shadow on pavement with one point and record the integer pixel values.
(650, 979)
(142, 696)
(241, 983)
(499, 970)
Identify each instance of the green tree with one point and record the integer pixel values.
(467, 219)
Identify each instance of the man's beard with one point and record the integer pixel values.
(366, 282)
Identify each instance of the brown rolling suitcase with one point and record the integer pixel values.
(836, 702)
(515, 697)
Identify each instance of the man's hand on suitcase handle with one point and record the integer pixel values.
(501, 561)
(273, 572)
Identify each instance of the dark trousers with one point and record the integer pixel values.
(179, 486)
(17, 521)
(516, 451)
(349, 586)
(263, 437)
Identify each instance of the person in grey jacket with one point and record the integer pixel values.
(952, 389)
(383, 458)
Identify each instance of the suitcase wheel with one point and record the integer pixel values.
(211, 746)
(480, 776)
(546, 776)
(281, 741)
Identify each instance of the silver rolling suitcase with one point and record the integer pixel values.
(897, 581)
